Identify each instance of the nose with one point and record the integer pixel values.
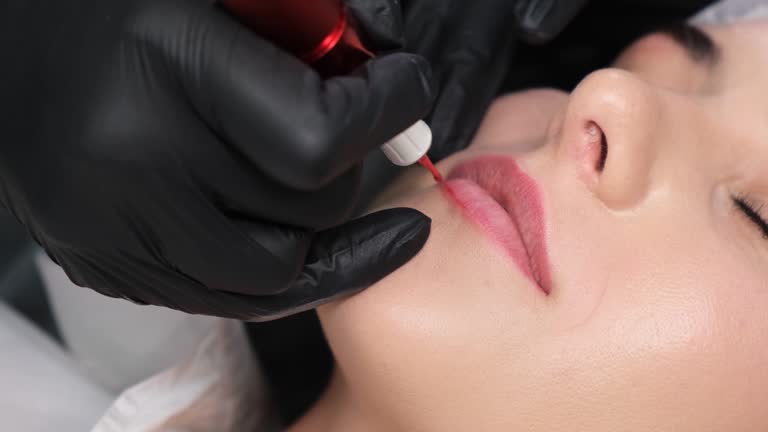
(612, 135)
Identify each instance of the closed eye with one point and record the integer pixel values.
(752, 212)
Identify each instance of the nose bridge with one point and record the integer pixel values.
(643, 126)
(685, 130)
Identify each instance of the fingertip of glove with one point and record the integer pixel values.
(401, 217)
(417, 233)
(353, 257)
(405, 230)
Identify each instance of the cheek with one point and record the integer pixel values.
(519, 121)
(658, 316)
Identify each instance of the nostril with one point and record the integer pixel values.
(597, 140)
(603, 152)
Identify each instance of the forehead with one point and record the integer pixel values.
(744, 50)
(739, 96)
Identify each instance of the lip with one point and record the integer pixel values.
(506, 203)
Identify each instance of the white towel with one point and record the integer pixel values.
(43, 387)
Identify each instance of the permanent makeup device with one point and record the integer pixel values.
(320, 33)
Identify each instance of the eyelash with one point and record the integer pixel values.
(752, 212)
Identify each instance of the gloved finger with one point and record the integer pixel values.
(379, 23)
(300, 130)
(340, 262)
(255, 258)
(347, 259)
(463, 103)
(241, 190)
(243, 193)
(219, 251)
(464, 43)
(142, 282)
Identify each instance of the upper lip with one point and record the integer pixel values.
(518, 194)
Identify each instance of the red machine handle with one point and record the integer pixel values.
(317, 31)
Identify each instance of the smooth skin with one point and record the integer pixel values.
(658, 316)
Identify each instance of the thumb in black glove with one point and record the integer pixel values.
(159, 151)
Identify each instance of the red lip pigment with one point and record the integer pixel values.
(426, 163)
(319, 32)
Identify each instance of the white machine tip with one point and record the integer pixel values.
(408, 147)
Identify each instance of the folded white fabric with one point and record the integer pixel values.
(43, 388)
(117, 342)
(182, 372)
(218, 388)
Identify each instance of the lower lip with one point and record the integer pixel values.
(505, 225)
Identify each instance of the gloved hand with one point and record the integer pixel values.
(161, 152)
(470, 45)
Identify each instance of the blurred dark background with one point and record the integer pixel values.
(294, 353)
(593, 40)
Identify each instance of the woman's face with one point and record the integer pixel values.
(629, 208)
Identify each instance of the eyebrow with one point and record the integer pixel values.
(697, 44)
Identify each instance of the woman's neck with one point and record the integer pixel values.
(338, 411)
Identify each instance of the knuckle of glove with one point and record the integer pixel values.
(313, 158)
(380, 23)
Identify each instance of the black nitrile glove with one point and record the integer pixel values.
(470, 45)
(161, 152)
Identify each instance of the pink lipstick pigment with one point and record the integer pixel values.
(506, 204)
